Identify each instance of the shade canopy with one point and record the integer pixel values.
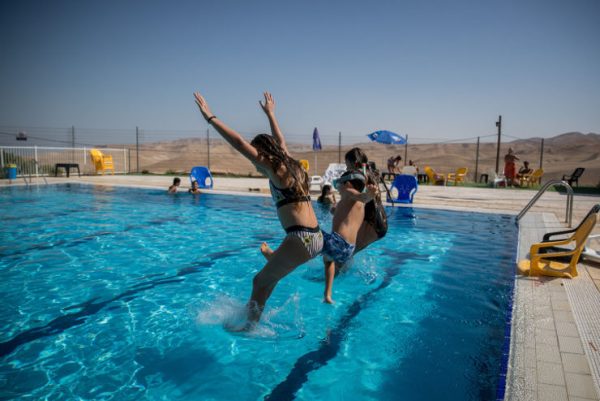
(387, 137)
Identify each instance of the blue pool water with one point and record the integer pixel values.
(123, 294)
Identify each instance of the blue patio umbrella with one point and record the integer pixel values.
(316, 145)
(316, 140)
(387, 137)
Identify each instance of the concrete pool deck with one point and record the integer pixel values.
(555, 333)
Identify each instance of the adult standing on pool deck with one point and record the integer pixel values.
(289, 188)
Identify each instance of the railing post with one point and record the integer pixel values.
(2, 157)
(84, 156)
(124, 160)
(36, 161)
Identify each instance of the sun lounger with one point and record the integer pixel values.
(459, 176)
(102, 162)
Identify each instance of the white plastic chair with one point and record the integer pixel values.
(589, 253)
(333, 172)
(409, 170)
(316, 180)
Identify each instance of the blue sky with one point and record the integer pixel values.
(430, 69)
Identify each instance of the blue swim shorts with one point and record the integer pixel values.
(336, 248)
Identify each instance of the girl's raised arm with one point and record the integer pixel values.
(269, 109)
(231, 136)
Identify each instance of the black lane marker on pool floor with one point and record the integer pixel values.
(330, 345)
(90, 307)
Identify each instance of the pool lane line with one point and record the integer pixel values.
(330, 345)
(90, 307)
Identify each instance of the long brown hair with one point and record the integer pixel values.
(268, 148)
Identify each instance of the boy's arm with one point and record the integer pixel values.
(269, 109)
(348, 191)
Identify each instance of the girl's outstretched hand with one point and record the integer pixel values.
(269, 105)
(203, 106)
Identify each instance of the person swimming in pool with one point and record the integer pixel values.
(290, 190)
(356, 191)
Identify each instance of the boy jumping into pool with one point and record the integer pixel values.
(356, 191)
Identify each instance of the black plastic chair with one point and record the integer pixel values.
(548, 236)
(574, 177)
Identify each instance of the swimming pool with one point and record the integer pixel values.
(123, 294)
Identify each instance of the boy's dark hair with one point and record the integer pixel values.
(356, 157)
(176, 180)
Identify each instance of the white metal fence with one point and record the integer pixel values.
(41, 161)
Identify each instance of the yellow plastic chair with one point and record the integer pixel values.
(102, 162)
(534, 178)
(546, 263)
(305, 165)
(435, 178)
(459, 176)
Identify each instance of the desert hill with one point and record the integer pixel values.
(561, 155)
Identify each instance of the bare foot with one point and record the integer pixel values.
(328, 300)
(266, 251)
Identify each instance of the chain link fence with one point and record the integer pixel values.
(140, 150)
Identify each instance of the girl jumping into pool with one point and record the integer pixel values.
(289, 189)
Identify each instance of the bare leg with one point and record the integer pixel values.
(266, 251)
(290, 254)
(329, 276)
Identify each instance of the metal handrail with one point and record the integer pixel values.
(569, 211)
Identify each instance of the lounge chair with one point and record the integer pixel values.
(589, 253)
(435, 178)
(534, 178)
(333, 172)
(574, 178)
(549, 258)
(102, 162)
(406, 186)
(459, 176)
(202, 176)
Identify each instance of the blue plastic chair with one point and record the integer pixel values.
(203, 176)
(407, 186)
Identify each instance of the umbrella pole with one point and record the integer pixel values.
(316, 167)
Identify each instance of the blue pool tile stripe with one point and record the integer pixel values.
(501, 388)
(329, 347)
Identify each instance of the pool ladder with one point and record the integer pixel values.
(569, 211)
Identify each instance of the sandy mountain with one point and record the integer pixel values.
(561, 155)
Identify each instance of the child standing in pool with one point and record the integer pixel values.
(349, 215)
(289, 189)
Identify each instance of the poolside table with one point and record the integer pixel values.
(67, 167)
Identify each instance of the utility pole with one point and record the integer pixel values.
(476, 160)
(542, 154)
(73, 144)
(208, 146)
(499, 125)
(340, 147)
(137, 150)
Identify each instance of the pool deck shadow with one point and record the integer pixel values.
(555, 327)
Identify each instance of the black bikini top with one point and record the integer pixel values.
(284, 196)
